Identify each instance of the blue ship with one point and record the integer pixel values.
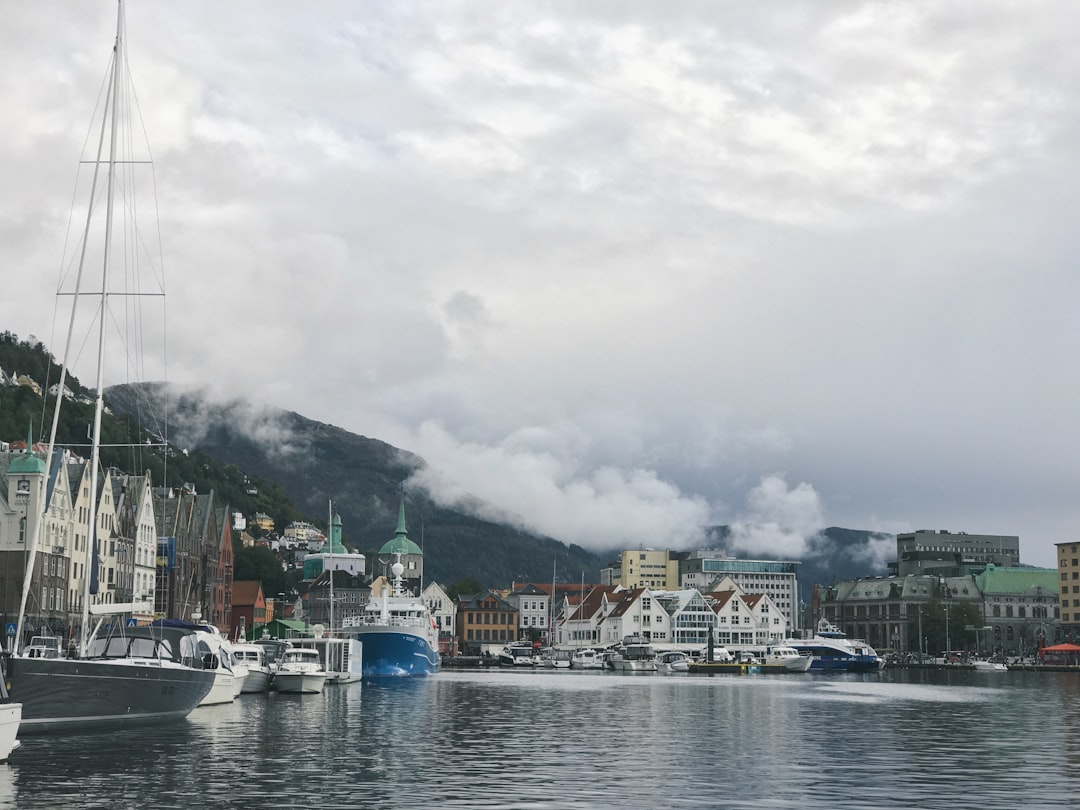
(398, 635)
(833, 651)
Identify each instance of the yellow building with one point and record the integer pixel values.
(648, 568)
(1068, 566)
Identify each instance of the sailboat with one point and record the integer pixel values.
(129, 676)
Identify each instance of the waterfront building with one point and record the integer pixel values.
(23, 502)
(952, 554)
(691, 617)
(189, 552)
(441, 607)
(635, 612)
(643, 568)
(137, 531)
(705, 569)
(350, 597)
(579, 627)
(1068, 571)
(486, 623)
(533, 608)
(250, 607)
(746, 619)
(1021, 608)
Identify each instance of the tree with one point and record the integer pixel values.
(961, 615)
(467, 586)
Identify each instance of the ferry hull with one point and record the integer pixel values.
(391, 652)
(854, 664)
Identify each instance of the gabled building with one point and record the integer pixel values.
(443, 612)
(249, 606)
(580, 627)
(533, 607)
(691, 618)
(635, 612)
(486, 623)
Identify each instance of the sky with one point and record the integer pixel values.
(618, 269)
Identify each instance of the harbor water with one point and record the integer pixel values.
(570, 739)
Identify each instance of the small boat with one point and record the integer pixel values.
(988, 666)
(673, 661)
(588, 659)
(342, 658)
(635, 654)
(253, 656)
(556, 659)
(300, 672)
(518, 654)
(782, 656)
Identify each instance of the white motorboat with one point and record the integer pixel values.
(635, 654)
(787, 657)
(518, 654)
(988, 666)
(673, 661)
(556, 659)
(300, 672)
(588, 659)
(253, 656)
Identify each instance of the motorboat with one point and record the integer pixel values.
(635, 654)
(980, 665)
(556, 659)
(518, 654)
(833, 651)
(300, 672)
(253, 656)
(672, 661)
(587, 658)
(787, 657)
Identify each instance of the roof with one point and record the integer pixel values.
(246, 591)
(996, 580)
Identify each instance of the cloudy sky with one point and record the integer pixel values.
(620, 269)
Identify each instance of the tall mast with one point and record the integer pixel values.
(99, 402)
(330, 532)
(111, 120)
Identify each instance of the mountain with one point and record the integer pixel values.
(316, 463)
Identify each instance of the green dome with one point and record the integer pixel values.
(401, 544)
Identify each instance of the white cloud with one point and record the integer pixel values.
(830, 239)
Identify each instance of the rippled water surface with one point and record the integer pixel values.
(565, 739)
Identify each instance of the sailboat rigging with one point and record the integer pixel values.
(145, 674)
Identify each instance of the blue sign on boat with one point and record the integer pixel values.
(10, 628)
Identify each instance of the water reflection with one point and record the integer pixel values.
(587, 740)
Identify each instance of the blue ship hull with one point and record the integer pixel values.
(389, 652)
(853, 664)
